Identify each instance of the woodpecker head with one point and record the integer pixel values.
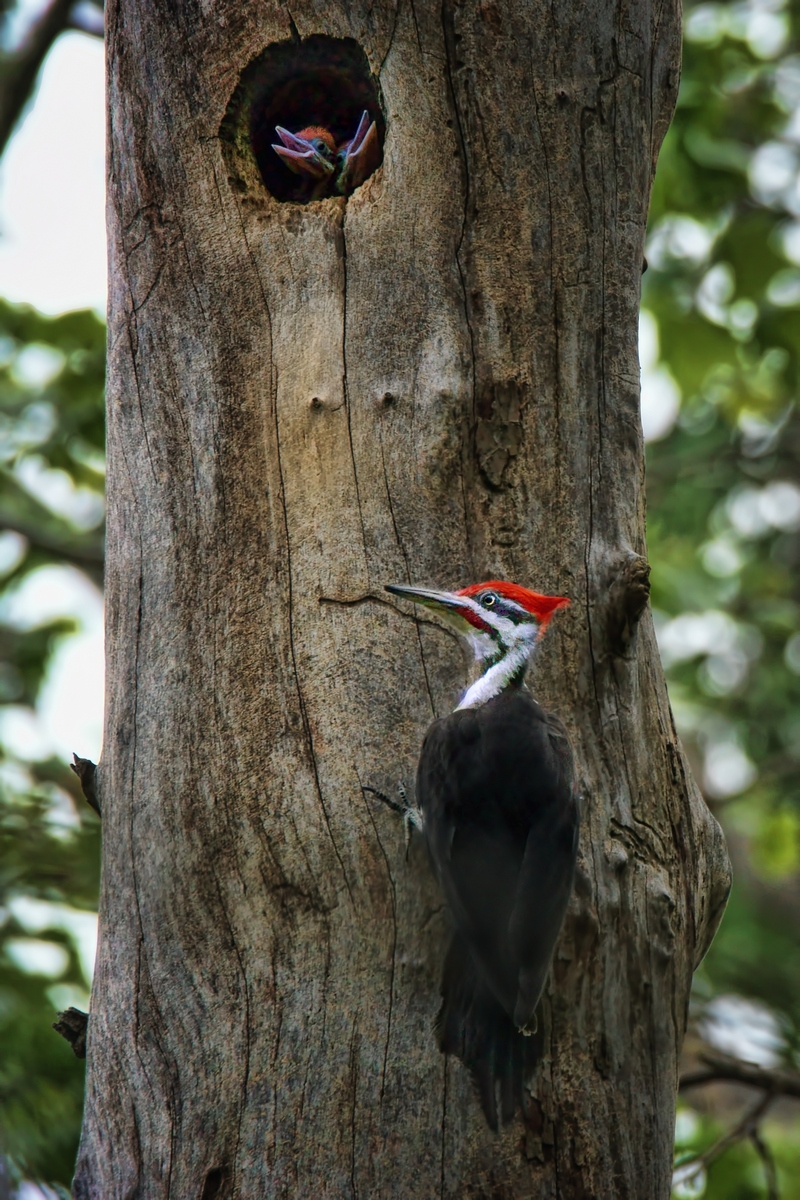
(501, 622)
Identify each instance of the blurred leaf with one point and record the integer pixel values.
(724, 500)
(51, 420)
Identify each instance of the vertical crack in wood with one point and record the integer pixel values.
(342, 242)
(390, 43)
(142, 962)
(298, 687)
(247, 1031)
(448, 32)
(354, 1095)
(416, 28)
(409, 578)
(393, 891)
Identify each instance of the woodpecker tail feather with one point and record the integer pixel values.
(472, 1026)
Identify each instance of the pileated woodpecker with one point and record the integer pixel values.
(331, 169)
(499, 813)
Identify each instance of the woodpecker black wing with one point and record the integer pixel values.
(472, 1026)
(495, 787)
(544, 884)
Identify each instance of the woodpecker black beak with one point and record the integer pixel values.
(447, 604)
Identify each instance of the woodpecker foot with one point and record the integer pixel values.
(411, 816)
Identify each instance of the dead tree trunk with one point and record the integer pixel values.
(432, 380)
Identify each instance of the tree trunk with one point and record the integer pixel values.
(434, 380)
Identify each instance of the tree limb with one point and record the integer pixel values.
(6, 1192)
(87, 17)
(768, 1163)
(721, 1068)
(21, 68)
(85, 552)
(22, 513)
(747, 1127)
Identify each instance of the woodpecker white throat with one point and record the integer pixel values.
(499, 814)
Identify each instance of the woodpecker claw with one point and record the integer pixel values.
(395, 807)
(411, 816)
(359, 157)
(303, 156)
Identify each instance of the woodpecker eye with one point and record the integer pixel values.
(489, 600)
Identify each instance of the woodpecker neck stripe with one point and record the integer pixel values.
(498, 677)
(477, 621)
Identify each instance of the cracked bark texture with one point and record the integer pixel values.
(434, 381)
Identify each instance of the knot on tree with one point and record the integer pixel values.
(627, 595)
(309, 113)
(86, 771)
(72, 1025)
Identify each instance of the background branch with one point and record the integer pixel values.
(721, 1068)
(21, 67)
(87, 17)
(768, 1162)
(747, 1127)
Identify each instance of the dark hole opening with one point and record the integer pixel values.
(320, 81)
(213, 1183)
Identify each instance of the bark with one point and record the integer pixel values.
(436, 381)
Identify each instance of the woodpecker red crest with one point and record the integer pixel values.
(535, 603)
(318, 131)
(497, 807)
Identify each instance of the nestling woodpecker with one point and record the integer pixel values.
(496, 804)
(333, 170)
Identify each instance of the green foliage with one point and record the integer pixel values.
(51, 448)
(738, 1172)
(41, 1081)
(51, 434)
(724, 507)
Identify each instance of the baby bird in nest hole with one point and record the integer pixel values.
(331, 170)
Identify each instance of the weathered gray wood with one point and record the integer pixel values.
(433, 381)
